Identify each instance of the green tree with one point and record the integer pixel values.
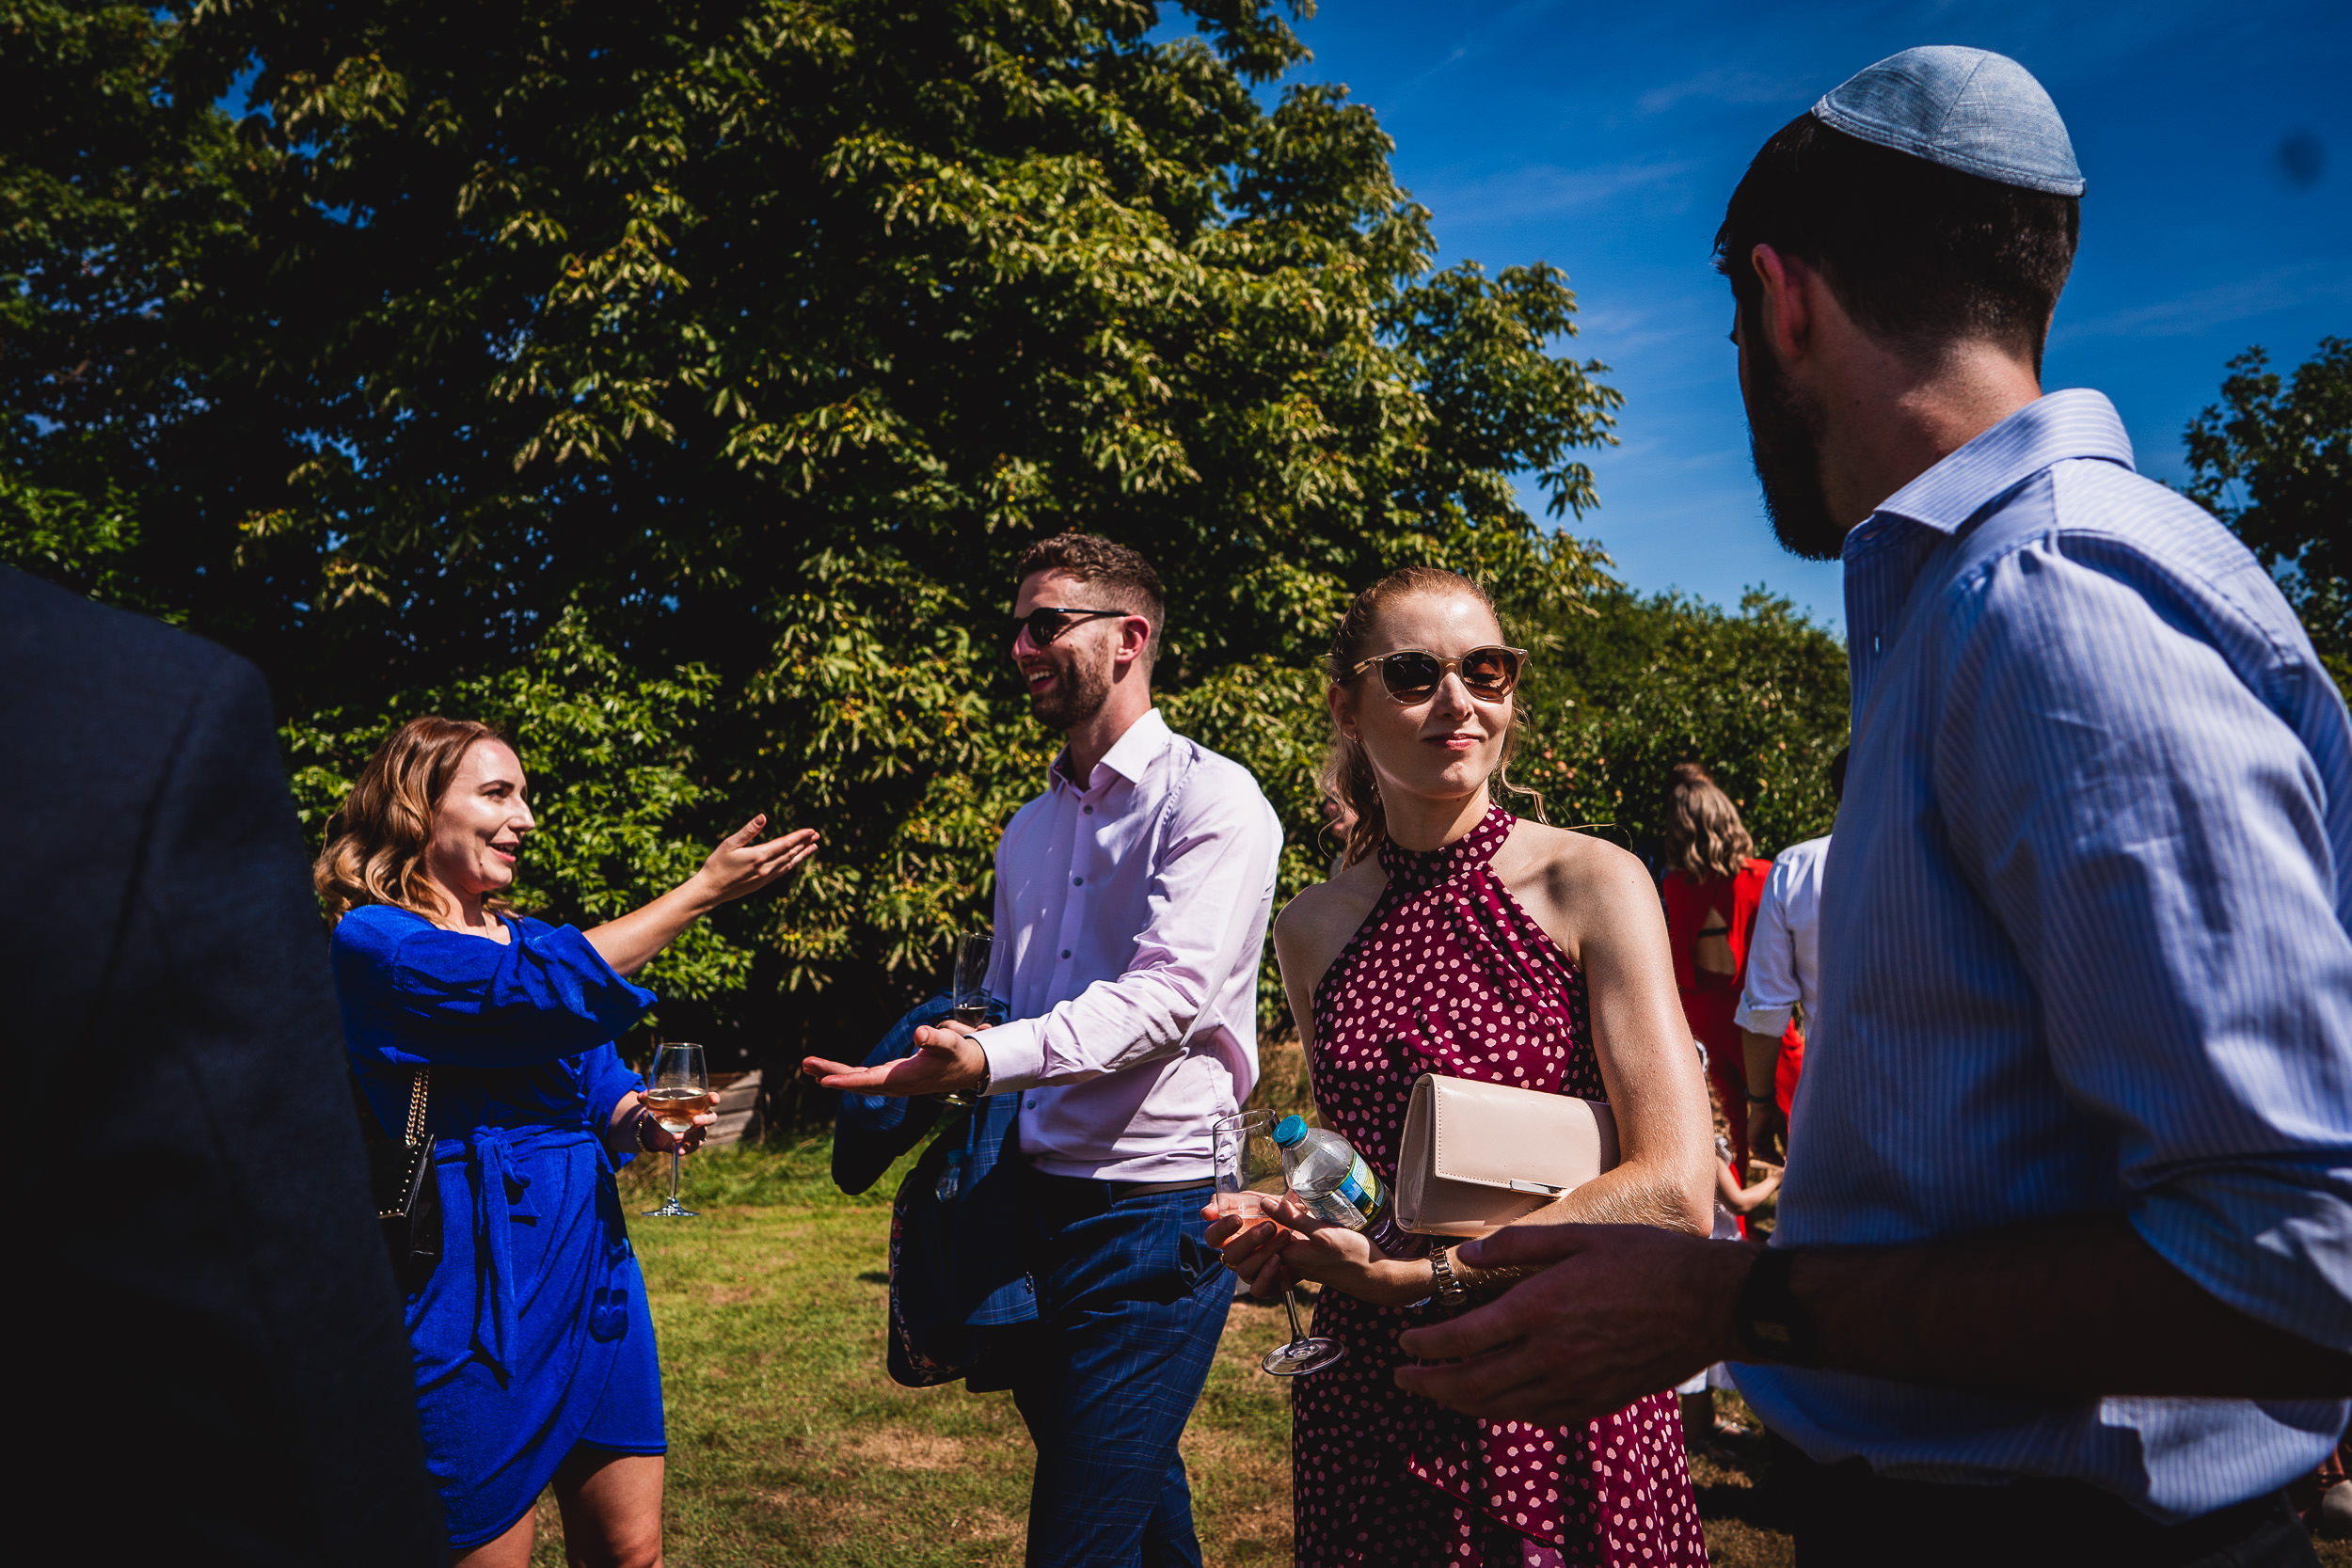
(2273, 461)
(746, 343)
(1631, 685)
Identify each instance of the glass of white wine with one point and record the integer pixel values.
(678, 1091)
(1248, 1169)
(967, 990)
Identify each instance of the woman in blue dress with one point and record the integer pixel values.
(535, 1352)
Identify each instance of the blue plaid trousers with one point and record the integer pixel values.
(1130, 1302)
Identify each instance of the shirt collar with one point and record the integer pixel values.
(1129, 755)
(2052, 428)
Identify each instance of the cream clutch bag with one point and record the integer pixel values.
(1477, 1156)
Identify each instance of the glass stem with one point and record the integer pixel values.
(674, 1158)
(1289, 1305)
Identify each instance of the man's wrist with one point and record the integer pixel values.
(1771, 1325)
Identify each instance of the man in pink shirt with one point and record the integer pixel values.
(1132, 900)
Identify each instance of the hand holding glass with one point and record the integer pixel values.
(1248, 1169)
(678, 1091)
(967, 990)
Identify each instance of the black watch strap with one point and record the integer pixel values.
(1772, 1324)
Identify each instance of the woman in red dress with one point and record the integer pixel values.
(1462, 941)
(1714, 886)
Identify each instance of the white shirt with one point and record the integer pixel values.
(1131, 918)
(1785, 951)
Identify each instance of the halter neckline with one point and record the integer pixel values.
(1415, 870)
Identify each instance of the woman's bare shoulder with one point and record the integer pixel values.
(1314, 925)
(1574, 883)
(1537, 848)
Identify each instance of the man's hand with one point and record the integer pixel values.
(947, 1059)
(1625, 1311)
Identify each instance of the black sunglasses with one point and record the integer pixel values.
(1413, 674)
(1047, 621)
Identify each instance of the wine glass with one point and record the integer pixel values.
(967, 990)
(679, 1091)
(1248, 1167)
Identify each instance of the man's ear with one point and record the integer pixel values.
(1783, 311)
(1134, 637)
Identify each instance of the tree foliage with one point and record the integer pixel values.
(678, 383)
(1628, 686)
(2273, 461)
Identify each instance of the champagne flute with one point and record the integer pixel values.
(1248, 1169)
(679, 1092)
(967, 990)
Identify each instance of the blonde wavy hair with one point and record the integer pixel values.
(375, 844)
(1704, 834)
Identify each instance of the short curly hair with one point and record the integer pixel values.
(1119, 573)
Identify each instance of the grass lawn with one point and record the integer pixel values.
(789, 1444)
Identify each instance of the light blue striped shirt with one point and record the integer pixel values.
(2085, 947)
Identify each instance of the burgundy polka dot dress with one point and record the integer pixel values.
(1449, 974)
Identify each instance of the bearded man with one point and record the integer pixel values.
(2063, 1269)
(1132, 900)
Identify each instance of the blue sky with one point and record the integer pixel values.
(1605, 141)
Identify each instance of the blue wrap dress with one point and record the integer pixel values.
(532, 1336)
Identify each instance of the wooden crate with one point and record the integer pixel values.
(739, 1103)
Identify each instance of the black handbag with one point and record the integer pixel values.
(407, 1192)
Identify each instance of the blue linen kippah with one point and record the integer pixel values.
(1968, 109)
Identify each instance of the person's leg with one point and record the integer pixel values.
(1132, 1303)
(511, 1549)
(611, 1505)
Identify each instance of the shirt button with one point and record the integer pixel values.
(1090, 810)
(1065, 952)
(1077, 882)
(1029, 1105)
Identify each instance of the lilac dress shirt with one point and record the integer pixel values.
(1130, 920)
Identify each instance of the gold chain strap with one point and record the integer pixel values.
(420, 1090)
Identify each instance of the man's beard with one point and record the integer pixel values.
(1785, 443)
(1080, 690)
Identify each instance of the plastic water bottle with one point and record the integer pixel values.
(1326, 1175)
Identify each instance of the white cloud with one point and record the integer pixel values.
(1546, 190)
(1728, 85)
(2185, 315)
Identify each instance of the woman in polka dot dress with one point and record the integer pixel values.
(1460, 940)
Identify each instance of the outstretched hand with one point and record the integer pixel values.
(742, 866)
(1624, 1311)
(947, 1059)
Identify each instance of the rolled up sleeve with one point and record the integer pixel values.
(2153, 838)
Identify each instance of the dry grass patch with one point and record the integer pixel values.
(905, 1448)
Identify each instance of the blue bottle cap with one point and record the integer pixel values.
(1289, 1130)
